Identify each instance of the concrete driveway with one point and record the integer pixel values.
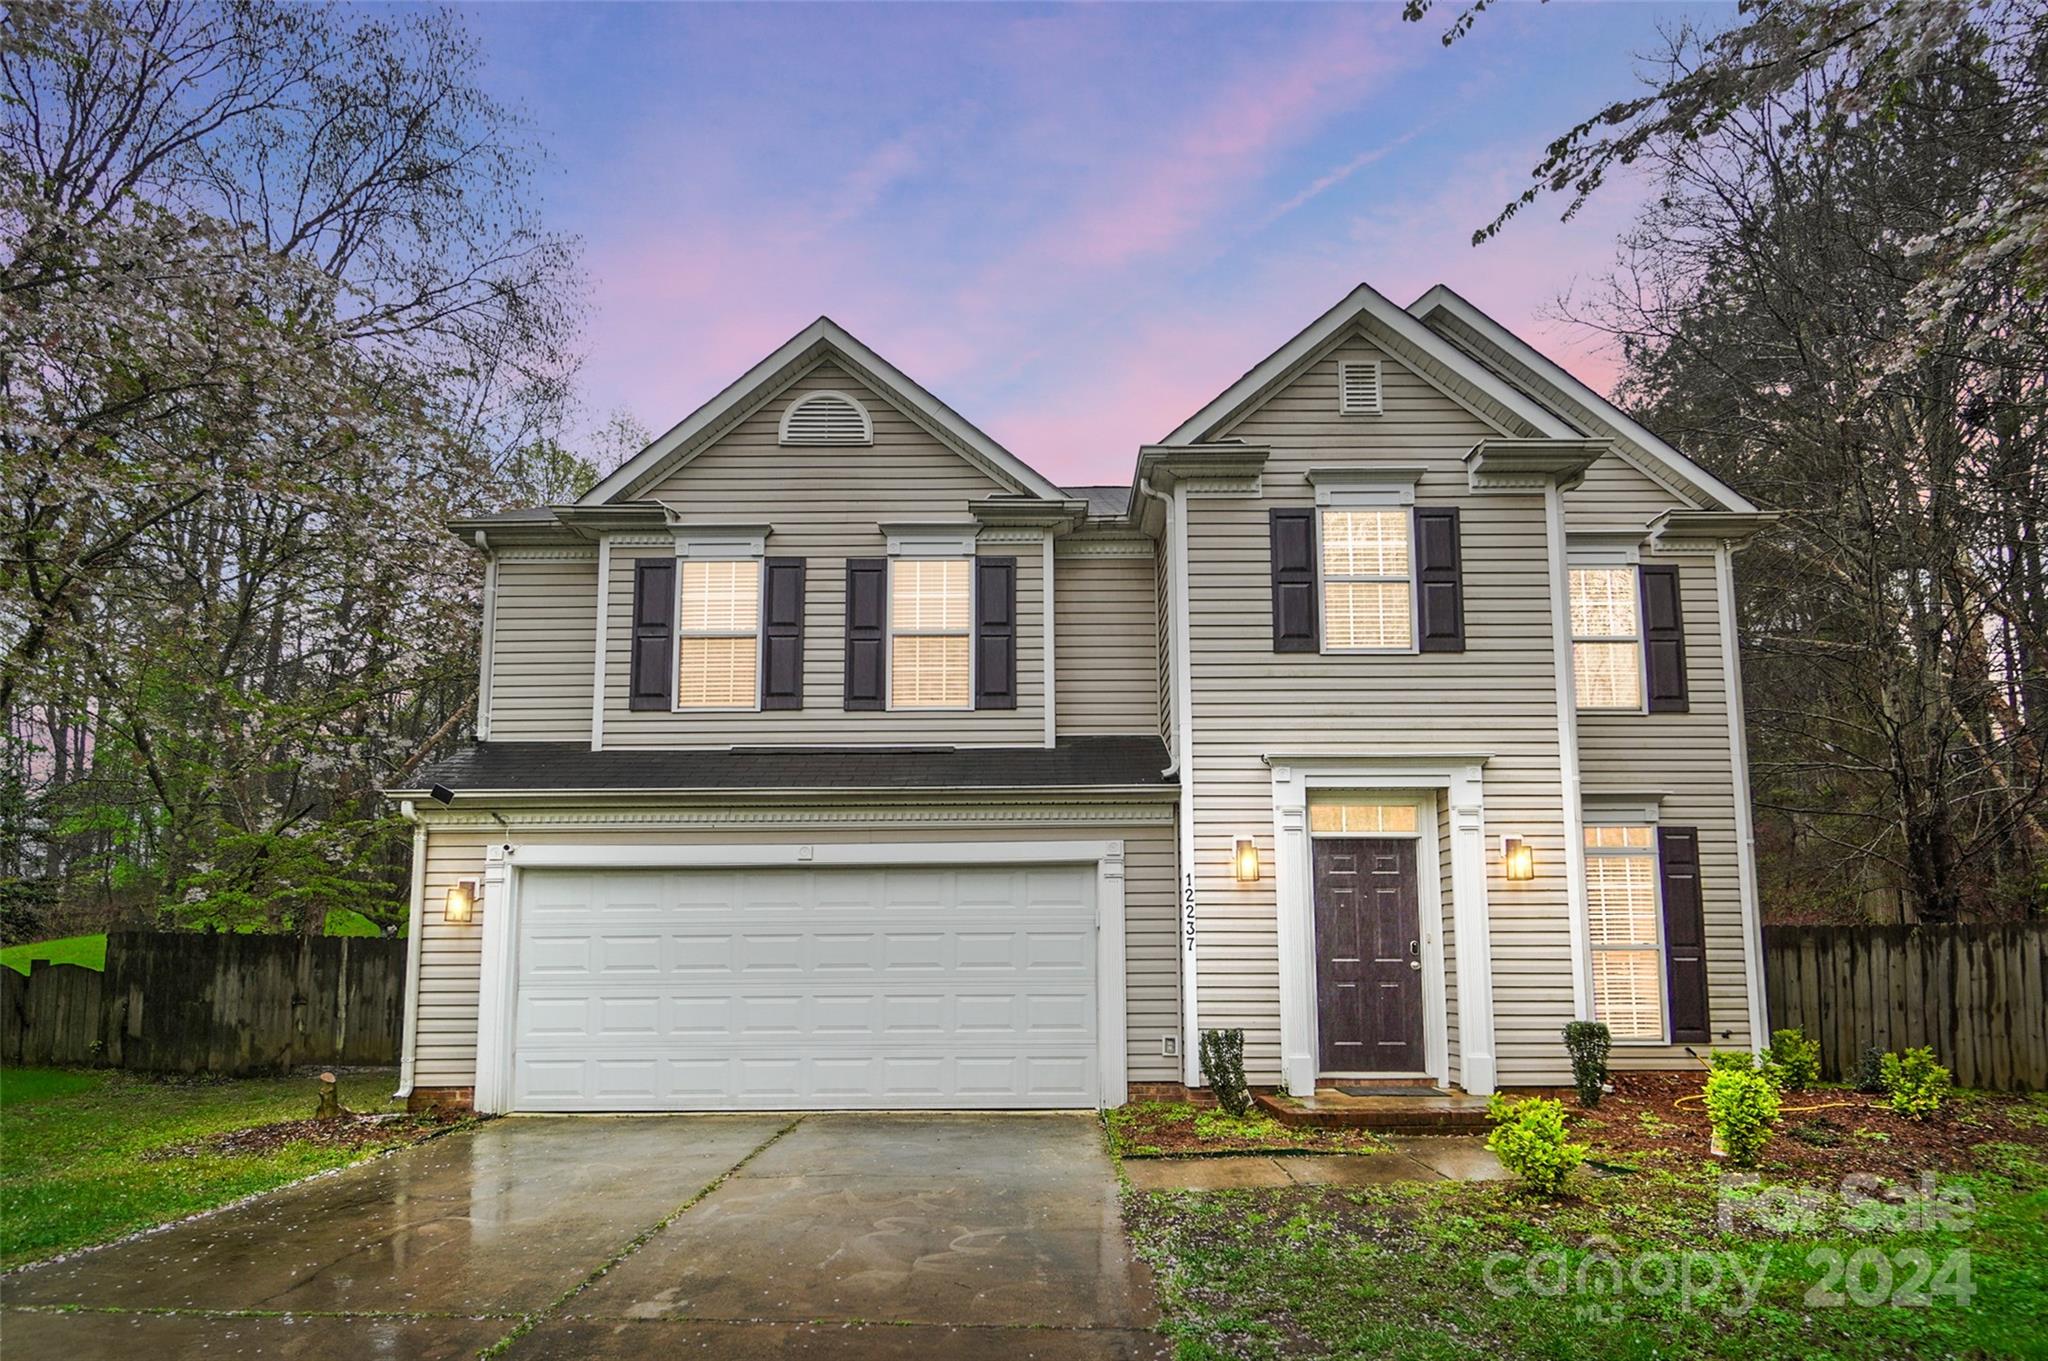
(925, 1236)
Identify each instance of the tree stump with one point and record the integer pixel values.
(330, 1100)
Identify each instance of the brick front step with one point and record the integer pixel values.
(1452, 1112)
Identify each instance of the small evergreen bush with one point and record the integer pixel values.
(1917, 1083)
(1870, 1071)
(1742, 1103)
(1796, 1058)
(1223, 1069)
(1530, 1139)
(1588, 1042)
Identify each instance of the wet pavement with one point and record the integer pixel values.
(727, 1235)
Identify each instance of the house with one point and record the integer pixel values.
(830, 756)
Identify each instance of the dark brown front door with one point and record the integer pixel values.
(1368, 956)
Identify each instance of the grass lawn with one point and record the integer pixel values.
(1638, 1263)
(91, 951)
(89, 1155)
(1165, 1129)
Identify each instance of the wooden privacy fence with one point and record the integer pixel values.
(179, 1003)
(1976, 995)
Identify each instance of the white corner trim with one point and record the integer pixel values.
(935, 539)
(489, 646)
(498, 910)
(1046, 627)
(1745, 831)
(1295, 779)
(415, 911)
(604, 600)
(1184, 754)
(1568, 753)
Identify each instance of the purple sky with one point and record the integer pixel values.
(1075, 225)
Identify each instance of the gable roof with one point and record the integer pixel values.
(1406, 338)
(1571, 399)
(822, 339)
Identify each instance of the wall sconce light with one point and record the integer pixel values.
(1244, 861)
(460, 908)
(1517, 858)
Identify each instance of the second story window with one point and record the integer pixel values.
(718, 635)
(1367, 595)
(931, 646)
(1607, 640)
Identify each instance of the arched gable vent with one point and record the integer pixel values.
(827, 418)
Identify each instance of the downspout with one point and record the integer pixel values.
(413, 947)
(1745, 831)
(1568, 756)
(1047, 614)
(1184, 764)
(489, 643)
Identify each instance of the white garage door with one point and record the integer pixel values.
(752, 989)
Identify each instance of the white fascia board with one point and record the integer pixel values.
(1363, 303)
(1570, 389)
(821, 337)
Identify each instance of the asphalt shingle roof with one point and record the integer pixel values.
(537, 767)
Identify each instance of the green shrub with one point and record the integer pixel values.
(1530, 1140)
(1739, 1060)
(1870, 1071)
(1917, 1083)
(1796, 1058)
(1742, 1104)
(1223, 1069)
(1588, 1042)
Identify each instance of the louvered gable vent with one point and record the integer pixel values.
(1358, 387)
(827, 418)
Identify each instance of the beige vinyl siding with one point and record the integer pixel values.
(449, 958)
(543, 639)
(1615, 496)
(1498, 696)
(1106, 658)
(1686, 757)
(824, 504)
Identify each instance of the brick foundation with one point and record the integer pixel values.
(448, 1100)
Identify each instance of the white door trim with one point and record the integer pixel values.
(498, 910)
(1461, 778)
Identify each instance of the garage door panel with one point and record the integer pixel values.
(653, 990)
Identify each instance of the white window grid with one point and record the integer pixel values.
(1621, 862)
(1344, 559)
(1606, 615)
(941, 608)
(719, 599)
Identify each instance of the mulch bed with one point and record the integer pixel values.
(1177, 1129)
(1854, 1132)
(344, 1131)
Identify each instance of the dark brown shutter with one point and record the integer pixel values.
(652, 680)
(782, 634)
(1664, 639)
(1294, 581)
(1439, 589)
(1685, 933)
(867, 594)
(995, 633)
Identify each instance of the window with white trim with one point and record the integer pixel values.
(931, 644)
(1607, 638)
(1361, 819)
(1368, 596)
(1622, 926)
(718, 634)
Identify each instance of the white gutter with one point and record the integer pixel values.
(413, 945)
(1745, 832)
(1568, 756)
